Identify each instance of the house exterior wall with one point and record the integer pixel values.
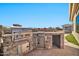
(68, 28)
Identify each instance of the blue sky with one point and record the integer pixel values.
(34, 15)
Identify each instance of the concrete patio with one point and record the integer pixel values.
(67, 51)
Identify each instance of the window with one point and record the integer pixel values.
(77, 23)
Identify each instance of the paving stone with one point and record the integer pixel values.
(67, 51)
